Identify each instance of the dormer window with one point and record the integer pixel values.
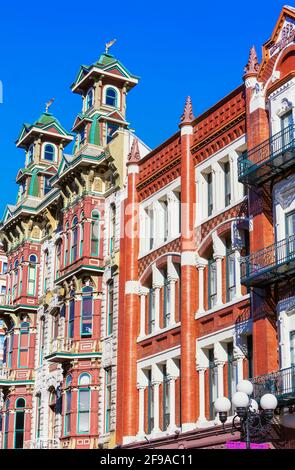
(111, 97)
(31, 154)
(89, 99)
(49, 153)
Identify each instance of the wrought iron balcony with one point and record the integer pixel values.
(269, 158)
(273, 263)
(280, 383)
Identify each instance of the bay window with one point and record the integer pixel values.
(87, 311)
(84, 404)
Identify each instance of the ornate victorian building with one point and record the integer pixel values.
(142, 285)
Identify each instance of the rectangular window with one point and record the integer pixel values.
(46, 273)
(210, 193)
(227, 189)
(230, 272)
(165, 219)
(166, 403)
(166, 301)
(4, 268)
(6, 430)
(108, 398)
(31, 280)
(84, 411)
(10, 351)
(57, 260)
(19, 429)
(290, 234)
(292, 348)
(287, 131)
(212, 383)
(231, 372)
(68, 412)
(82, 137)
(151, 311)
(112, 227)
(38, 416)
(150, 403)
(250, 356)
(71, 319)
(151, 227)
(74, 244)
(47, 184)
(111, 129)
(23, 348)
(87, 313)
(212, 283)
(81, 239)
(110, 307)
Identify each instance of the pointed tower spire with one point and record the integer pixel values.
(253, 64)
(134, 154)
(188, 115)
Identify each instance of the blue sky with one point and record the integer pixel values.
(177, 48)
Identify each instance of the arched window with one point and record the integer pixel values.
(95, 226)
(81, 233)
(87, 311)
(110, 306)
(52, 413)
(111, 97)
(23, 345)
(19, 423)
(31, 154)
(71, 315)
(32, 275)
(68, 406)
(84, 404)
(49, 152)
(89, 99)
(6, 424)
(74, 250)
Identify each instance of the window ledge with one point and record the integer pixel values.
(220, 211)
(142, 254)
(236, 300)
(160, 331)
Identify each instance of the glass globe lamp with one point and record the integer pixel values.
(222, 405)
(245, 386)
(240, 401)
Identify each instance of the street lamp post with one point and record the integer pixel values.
(249, 420)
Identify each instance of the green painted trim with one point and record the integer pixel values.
(72, 355)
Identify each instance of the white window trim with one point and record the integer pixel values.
(104, 92)
(43, 152)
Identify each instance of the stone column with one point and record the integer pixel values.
(188, 272)
(201, 371)
(239, 358)
(220, 384)
(156, 428)
(172, 423)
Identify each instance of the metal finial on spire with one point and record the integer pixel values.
(48, 104)
(110, 44)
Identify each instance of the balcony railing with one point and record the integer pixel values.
(269, 158)
(4, 373)
(61, 345)
(273, 263)
(280, 383)
(42, 444)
